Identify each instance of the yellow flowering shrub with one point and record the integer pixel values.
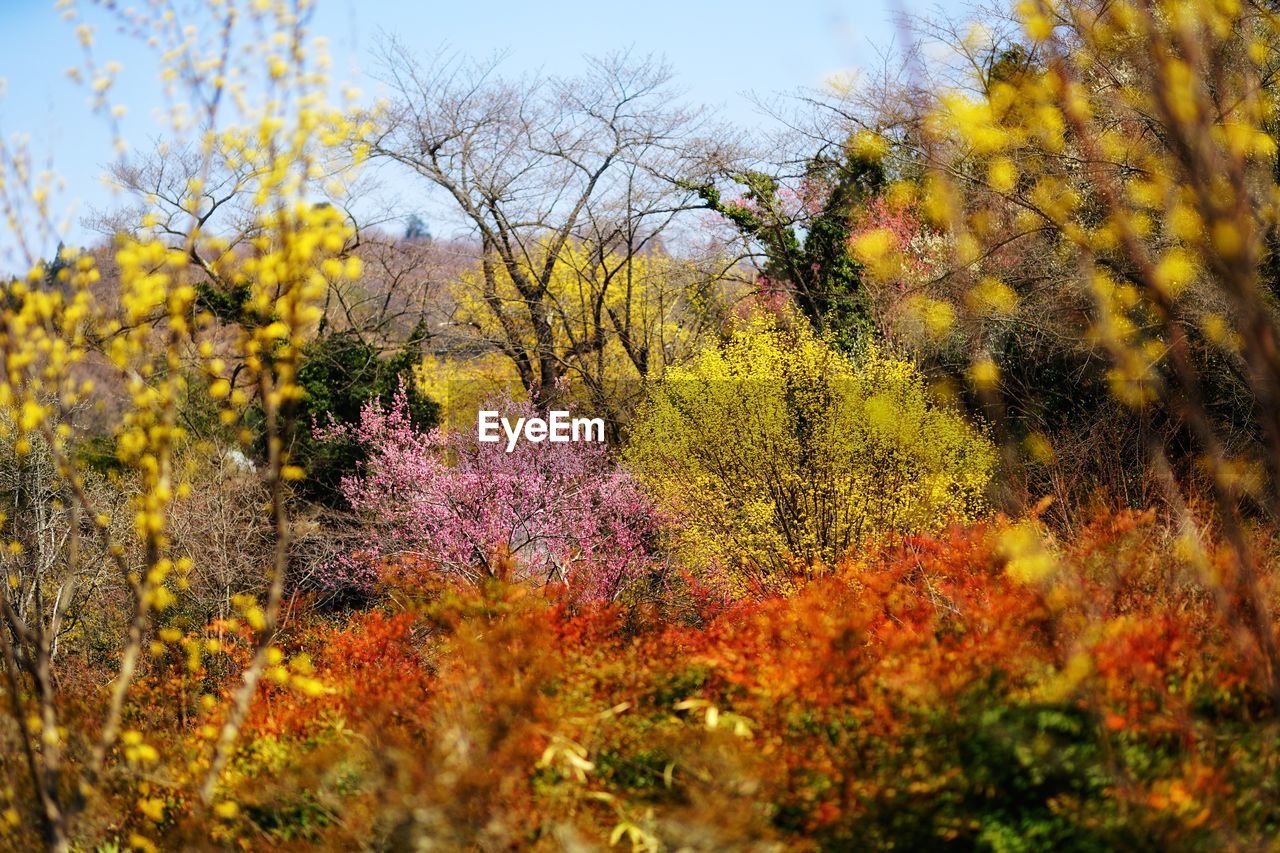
(774, 453)
(151, 335)
(614, 320)
(1126, 152)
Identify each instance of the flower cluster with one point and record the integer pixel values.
(560, 513)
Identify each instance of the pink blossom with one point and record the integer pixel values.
(924, 252)
(561, 512)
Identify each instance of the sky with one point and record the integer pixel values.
(722, 52)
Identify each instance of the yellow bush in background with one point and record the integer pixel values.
(777, 453)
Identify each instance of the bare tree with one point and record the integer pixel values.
(542, 169)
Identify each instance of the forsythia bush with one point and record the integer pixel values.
(775, 452)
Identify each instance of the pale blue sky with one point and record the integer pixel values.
(721, 51)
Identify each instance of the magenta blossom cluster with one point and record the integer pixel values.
(554, 512)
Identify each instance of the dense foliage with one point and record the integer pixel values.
(340, 374)
(804, 234)
(920, 695)
(444, 502)
(777, 454)
(936, 507)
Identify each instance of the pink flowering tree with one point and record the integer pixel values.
(925, 252)
(561, 512)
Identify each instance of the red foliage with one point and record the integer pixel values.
(373, 671)
(912, 681)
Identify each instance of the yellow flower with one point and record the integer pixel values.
(990, 296)
(152, 808)
(1175, 271)
(1028, 559)
(984, 374)
(1002, 175)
